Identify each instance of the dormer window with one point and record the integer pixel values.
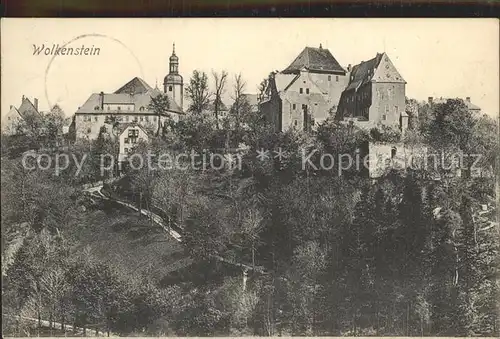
(96, 108)
(141, 108)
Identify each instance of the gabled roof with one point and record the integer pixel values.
(282, 81)
(140, 99)
(136, 86)
(27, 108)
(122, 127)
(363, 72)
(378, 69)
(315, 59)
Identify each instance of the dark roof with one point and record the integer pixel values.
(315, 59)
(136, 86)
(363, 72)
(27, 108)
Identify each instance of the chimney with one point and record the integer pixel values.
(349, 67)
(102, 100)
(36, 104)
(11, 106)
(430, 100)
(320, 46)
(23, 98)
(467, 99)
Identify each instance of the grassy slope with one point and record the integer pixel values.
(119, 237)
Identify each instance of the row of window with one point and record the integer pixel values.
(336, 78)
(125, 118)
(304, 106)
(119, 108)
(359, 97)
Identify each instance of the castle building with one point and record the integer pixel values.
(306, 92)
(374, 95)
(130, 104)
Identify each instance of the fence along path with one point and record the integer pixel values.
(83, 331)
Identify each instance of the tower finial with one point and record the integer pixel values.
(320, 46)
(173, 49)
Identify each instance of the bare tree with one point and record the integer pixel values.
(239, 100)
(197, 91)
(220, 83)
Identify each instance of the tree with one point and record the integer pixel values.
(220, 83)
(160, 104)
(240, 107)
(198, 92)
(54, 122)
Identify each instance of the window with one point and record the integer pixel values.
(307, 90)
(384, 117)
(393, 152)
(126, 140)
(119, 108)
(96, 119)
(301, 90)
(304, 106)
(142, 119)
(135, 119)
(141, 108)
(89, 130)
(126, 150)
(170, 88)
(315, 104)
(108, 108)
(96, 108)
(337, 78)
(329, 78)
(295, 123)
(293, 106)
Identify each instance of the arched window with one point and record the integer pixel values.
(393, 152)
(141, 108)
(170, 88)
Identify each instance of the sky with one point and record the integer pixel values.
(437, 57)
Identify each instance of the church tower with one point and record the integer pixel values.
(173, 83)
